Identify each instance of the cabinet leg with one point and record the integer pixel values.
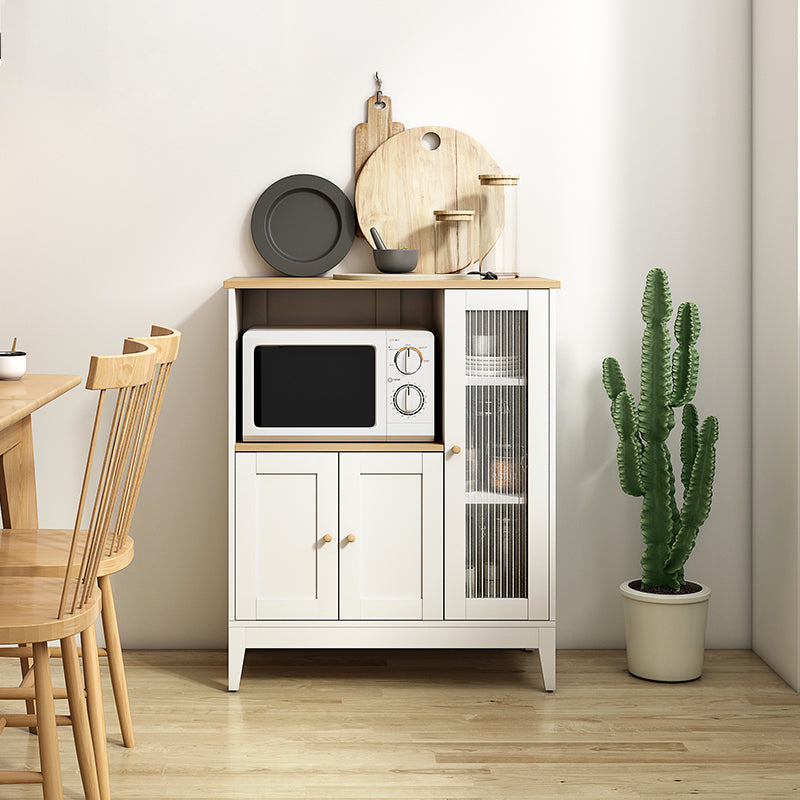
(547, 657)
(236, 651)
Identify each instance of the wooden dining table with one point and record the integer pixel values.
(18, 400)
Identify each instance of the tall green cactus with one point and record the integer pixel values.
(643, 457)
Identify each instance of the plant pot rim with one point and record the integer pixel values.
(665, 599)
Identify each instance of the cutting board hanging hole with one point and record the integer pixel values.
(431, 141)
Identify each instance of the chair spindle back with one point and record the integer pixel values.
(131, 376)
(166, 341)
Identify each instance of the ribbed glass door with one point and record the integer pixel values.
(496, 457)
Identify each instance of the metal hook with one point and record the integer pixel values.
(378, 80)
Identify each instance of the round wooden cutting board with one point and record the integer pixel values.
(404, 181)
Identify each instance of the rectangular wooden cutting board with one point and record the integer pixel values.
(370, 135)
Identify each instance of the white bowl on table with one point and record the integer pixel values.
(12, 365)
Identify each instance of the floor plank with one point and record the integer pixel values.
(437, 724)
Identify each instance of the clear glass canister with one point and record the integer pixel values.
(506, 473)
(455, 240)
(498, 223)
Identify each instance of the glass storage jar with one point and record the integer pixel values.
(454, 240)
(505, 472)
(498, 223)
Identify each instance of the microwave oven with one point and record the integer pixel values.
(337, 384)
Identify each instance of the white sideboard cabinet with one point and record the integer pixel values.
(448, 543)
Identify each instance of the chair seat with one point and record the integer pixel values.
(43, 553)
(28, 609)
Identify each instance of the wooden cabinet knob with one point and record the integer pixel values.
(351, 537)
(456, 449)
(327, 537)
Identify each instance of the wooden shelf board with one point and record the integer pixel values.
(391, 283)
(347, 447)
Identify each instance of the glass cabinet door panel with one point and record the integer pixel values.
(497, 494)
(497, 550)
(496, 416)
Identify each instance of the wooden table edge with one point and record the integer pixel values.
(55, 386)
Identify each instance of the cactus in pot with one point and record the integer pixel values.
(643, 457)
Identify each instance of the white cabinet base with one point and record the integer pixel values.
(388, 634)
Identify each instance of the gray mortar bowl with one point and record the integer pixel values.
(395, 260)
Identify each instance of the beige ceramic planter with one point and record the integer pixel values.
(665, 634)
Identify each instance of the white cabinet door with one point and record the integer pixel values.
(286, 503)
(391, 506)
(497, 385)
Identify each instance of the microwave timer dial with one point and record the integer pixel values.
(408, 360)
(409, 399)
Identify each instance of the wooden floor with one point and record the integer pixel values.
(438, 724)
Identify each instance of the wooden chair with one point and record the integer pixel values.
(44, 552)
(166, 341)
(40, 609)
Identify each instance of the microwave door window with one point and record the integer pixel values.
(314, 386)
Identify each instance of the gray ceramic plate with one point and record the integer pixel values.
(303, 225)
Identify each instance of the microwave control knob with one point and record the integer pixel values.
(409, 399)
(408, 360)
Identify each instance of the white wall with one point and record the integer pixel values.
(135, 138)
(776, 318)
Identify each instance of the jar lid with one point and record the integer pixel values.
(455, 215)
(498, 180)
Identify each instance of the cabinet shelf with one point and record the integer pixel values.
(493, 498)
(339, 447)
(398, 282)
(481, 380)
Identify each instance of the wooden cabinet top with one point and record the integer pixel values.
(400, 282)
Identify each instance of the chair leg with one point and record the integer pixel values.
(46, 724)
(94, 700)
(119, 684)
(30, 706)
(80, 719)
